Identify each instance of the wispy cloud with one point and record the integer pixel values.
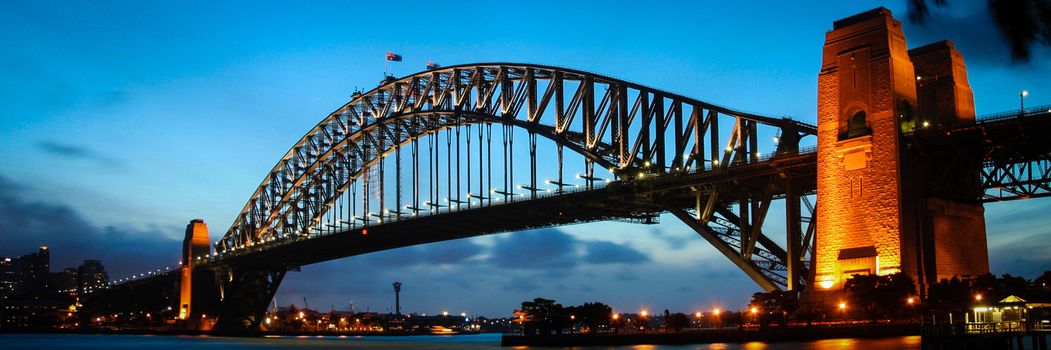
(78, 152)
(537, 249)
(600, 252)
(446, 253)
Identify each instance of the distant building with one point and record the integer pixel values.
(37, 314)
(10, 278)
(35, 269)
(32, 297)
(63, 282)
(91, 274)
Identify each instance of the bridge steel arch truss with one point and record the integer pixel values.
(996, 158)
(660, 142)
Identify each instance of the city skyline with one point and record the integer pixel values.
(154, 135)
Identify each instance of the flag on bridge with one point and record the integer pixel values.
(393, 57)
(432, 65)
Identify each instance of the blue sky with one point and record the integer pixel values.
(121, 121)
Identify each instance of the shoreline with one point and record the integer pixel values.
(772, 335)
(206, 333)
(692, 336)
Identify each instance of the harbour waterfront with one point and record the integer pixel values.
(478, 341)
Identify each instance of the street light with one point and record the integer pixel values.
(1021, 101)
(716, 311)
(644, 313)
(978, 297)
(909, 300)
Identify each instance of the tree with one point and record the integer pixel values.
(864, 294)
(993, 288)
(949, 296)
(1023, 23)
(542, 316)
(809, 314)
(593, 315)
(878, 295)
(774, 306)
(1044, 281)
(676, 322)
(1041, 287)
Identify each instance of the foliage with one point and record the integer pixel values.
(957, 296)
(774, 306)
(676, 322)
(949, 296)
(542, 316)
(877, 296)
(809, 314)
(1023, 23)
(1044, 281)
(993, 289)
(593, 315)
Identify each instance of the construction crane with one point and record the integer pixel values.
(305, 305)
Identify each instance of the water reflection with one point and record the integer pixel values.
(479, 341)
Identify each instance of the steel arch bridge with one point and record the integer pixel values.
(644, 151)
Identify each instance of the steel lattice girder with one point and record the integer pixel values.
(295, 193)
(1017, 180)
(1006, 157)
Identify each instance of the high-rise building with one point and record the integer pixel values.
(91, 274)
(10, 277)
(35, 268)
(63, 282)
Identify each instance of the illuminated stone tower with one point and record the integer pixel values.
(194, 245)
(875, 213)
(951, 220)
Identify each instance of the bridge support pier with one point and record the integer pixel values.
(245, 295)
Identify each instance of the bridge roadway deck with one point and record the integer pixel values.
(637, 200)
(1000, 138)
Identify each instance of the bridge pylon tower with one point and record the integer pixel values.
(196, 285)
(879, 210)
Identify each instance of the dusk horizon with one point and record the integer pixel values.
(125, 121)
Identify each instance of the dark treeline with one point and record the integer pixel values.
(873, 298)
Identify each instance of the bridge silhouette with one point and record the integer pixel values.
(412, 162)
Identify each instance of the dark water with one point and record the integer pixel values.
(480, 341)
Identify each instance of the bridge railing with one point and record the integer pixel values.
(1038, 110)
(134, 277)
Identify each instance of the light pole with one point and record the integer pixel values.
(1021, 101)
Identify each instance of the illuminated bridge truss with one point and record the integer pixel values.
(1016, 155)
(1009, 155)
(1009, 181)
(444, 142)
